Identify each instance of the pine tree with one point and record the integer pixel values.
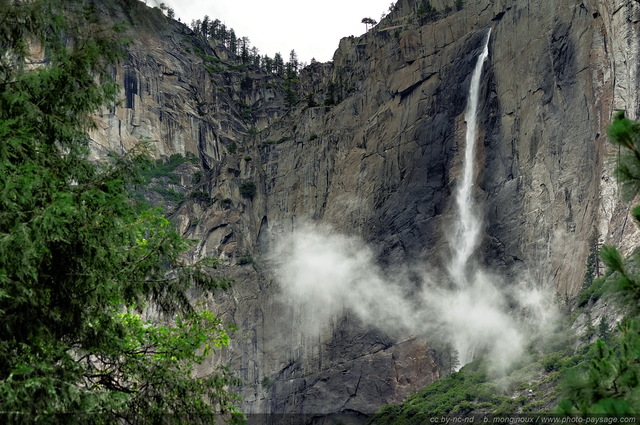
(223, 34)
(196, 26)
(290, 83)
(255, 56)
(232, 41)
(450, 359)
(369, 21)
(205, 26)
(278, 65)
(293, 64)
(244, 49)
(79, 260)
(214, 29)
(426, 13)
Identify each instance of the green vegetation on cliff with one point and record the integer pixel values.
(530, 386)
(79, 260)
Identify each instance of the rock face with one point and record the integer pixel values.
(379, 159)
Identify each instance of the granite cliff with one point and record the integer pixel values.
(380, 162)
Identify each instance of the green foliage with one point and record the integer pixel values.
(248, 189)
(311, 103)
(336, 91)
(245, 260)
(626, 134)
(213, 69)
(459, 4)
(369, 21)
(592, 261)
(246, 83)
(612, 258)
(560, 360)
(277, 142)
(197, 177)
(592, 293)
(201, 196)
(79, 261)
(331, 96)
(169, 194)
(609, 384)
(164, 169)
(460, 392)
(246, 112)
(604, 333)
(449, 360)
(290, 87)
(608, 381)
(291, 81)
(426, 13)
(238, 67)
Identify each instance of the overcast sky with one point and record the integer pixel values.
(312, 28)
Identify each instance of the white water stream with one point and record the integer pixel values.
(468, 225)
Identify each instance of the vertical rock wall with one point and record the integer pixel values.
(379, 158)
(558, 73)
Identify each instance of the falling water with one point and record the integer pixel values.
(466, 229)
(326, 273)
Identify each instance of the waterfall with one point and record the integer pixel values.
(467, 226)
(470, 286)
(325, 274)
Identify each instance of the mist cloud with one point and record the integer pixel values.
(325, 274)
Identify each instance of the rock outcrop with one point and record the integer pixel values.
(379, 159)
